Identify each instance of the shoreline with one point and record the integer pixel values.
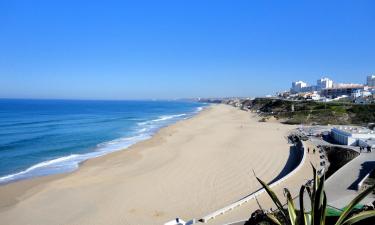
(32, 182)
(153, 159)
(27, 186)
(95, 154)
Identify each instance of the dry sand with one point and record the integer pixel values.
(293, 183)
(186, 170)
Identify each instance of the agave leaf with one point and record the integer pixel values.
(320, 192)
(353, 203)
(273, 197)
(360, 216)
(308, 189)
(315, 183)
(291, 208)
(317, 202)
(313, 194)
(302, 217)
(273, 218)
(323, 209)
(308, 218)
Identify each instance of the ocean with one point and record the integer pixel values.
(43, 137)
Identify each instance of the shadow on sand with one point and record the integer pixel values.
(295, 157)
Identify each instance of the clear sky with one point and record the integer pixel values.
(172, 49)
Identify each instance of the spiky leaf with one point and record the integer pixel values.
(315, 178)
(273, 197)
(302, 217)
(353, 203)
(291, 208)
(360, 216)
(318, 203)
(308, 189)
(323, 209)
(273, 219)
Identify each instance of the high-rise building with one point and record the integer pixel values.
(297, 86)
(324, 83)
(371, 80)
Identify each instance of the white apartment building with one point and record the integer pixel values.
(371, 80)
(361, 93)
(298, 86)
(351, 135)
(323, 83)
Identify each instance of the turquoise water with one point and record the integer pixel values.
(42, 137)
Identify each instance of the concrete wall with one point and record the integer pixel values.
(338, 157)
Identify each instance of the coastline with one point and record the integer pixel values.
(30, 185)
(180, 171)
(69, 162)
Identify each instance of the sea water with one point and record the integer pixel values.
(42, 137)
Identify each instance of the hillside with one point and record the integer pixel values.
(310, 112)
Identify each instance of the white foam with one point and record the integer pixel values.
(71, 162)
(199, 109)
(45, 164)
(162, 118)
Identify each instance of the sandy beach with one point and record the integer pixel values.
(186, 170)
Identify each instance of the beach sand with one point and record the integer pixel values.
(186, 170)
(293, 183)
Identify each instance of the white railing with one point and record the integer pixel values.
(256, 193)
(360, 184)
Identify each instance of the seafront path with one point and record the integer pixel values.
(341, 187)
(293, 183)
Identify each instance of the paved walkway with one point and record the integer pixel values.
(341, 187)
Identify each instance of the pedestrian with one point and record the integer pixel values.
(314, 150)
(308, 150)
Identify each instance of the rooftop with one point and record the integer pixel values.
(355, 130)
(345, 86)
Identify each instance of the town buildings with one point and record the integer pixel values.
(327, 90)
(324, 83)
(371, 81)
(341, 90)
(298, 86)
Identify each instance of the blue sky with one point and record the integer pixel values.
(173, 49)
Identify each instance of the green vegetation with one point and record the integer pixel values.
(310, 112)
(319, 210)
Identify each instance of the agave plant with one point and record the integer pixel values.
(318, 199)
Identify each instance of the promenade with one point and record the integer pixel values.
(341, 187)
